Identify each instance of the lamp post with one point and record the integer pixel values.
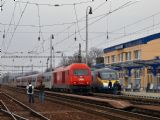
(90, 12)
(51, 48)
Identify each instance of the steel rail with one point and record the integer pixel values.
(111, 111)
(26, 107)
(87, 108)
(9, 112)
(16, 116)
(60, 96)
(133, 99)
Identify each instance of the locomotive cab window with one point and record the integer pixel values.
(80, 72)
(108, 75)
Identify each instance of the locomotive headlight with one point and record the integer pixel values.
(105, 84)
(74, 82)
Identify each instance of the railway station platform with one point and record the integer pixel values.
(143, 94)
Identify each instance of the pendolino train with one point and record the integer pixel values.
(73, 78)
(101, 78)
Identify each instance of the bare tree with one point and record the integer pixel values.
(93, 54)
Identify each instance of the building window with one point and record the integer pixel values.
(113, 58)
(121, 75)
(128, 56)
(137, 54)
(107, 59)
(121, 57)
(137, 74)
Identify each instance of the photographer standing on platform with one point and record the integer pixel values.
(30, 92)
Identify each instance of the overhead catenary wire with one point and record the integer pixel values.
(138, 31)
(40, 31)
(120, 7)
(54, 5)
(10, 40)
(65, 23)
(76, 16)
(3, 42)
(123, 6)
(81, 19)
(102, 43)
(68, 28)
(94, 21)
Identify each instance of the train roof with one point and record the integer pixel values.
(102, 69)
(26, 76)
(72, 66)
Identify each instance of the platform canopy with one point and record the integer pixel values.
(149, 62)
(131, 64)
(126, 65)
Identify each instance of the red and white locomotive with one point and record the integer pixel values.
(75, 77)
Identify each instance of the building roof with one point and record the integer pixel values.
(132, 43)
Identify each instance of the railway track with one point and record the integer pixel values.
(133, 99)
(94, 107)
(100, 109)
(17, 110)
(5, 113)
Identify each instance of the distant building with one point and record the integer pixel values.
(137, 61)
(99, 60)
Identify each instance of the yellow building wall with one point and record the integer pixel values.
(148, 52)
(151, 49)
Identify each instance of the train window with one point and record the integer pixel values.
(34, 80)
(49, 78)
(81, 72)
(108, 75)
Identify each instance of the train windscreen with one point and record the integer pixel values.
(108, 75)
(80, 72)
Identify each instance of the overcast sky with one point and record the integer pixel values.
(112, 22)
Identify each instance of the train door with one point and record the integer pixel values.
(48, 79)
(55, 78)
(63, 77)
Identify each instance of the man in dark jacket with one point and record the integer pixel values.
(41, 88)
(110, 84)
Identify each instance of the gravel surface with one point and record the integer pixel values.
(55, 111)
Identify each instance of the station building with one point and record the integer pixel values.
(137, 61)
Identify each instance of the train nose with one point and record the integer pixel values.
(105, 84)
(81, 78)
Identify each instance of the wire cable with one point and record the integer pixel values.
(54, 5)
(77, 22)
(122, 6)
(3, 42)
(16, 27)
